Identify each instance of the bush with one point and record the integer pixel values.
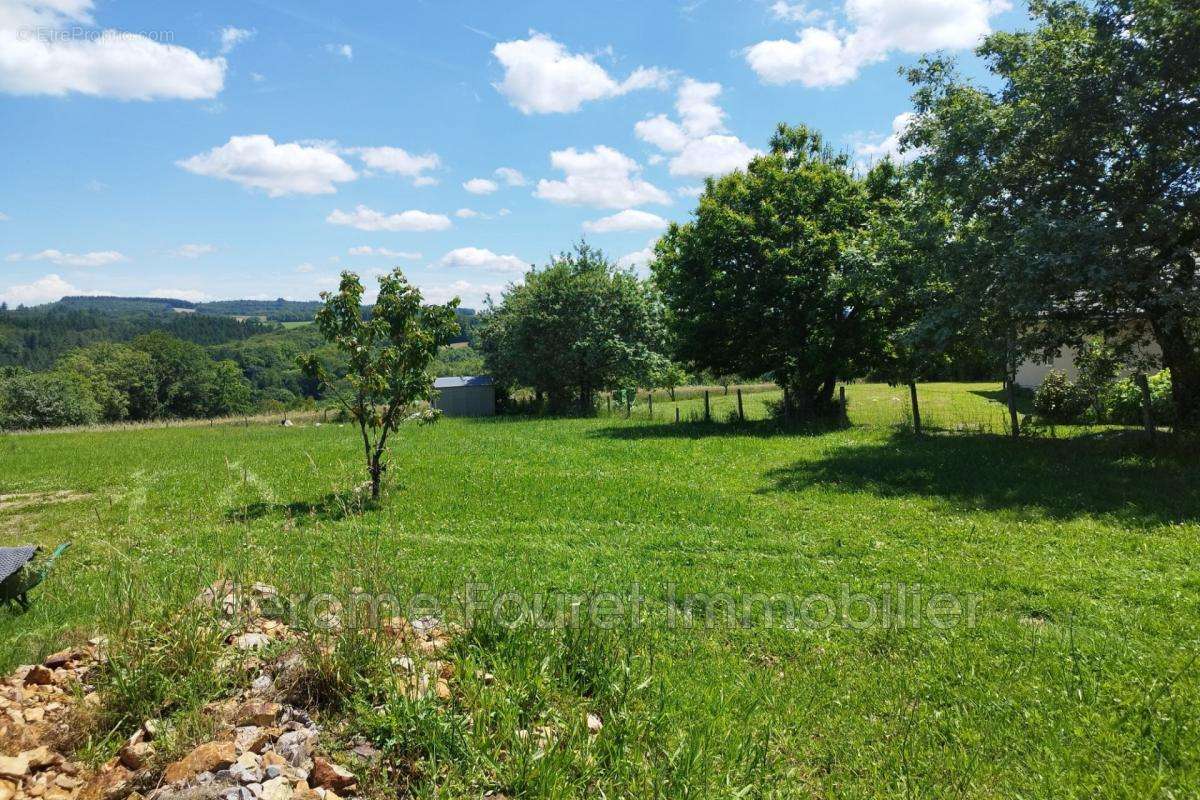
(46, 400)
(1058, 400)
(1122, 401)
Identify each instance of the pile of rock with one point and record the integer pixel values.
(36, 703)
(267, 751)
(264, 748)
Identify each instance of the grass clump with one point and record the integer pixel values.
(566, 712)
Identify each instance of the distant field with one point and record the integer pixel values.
(304, 323)
(1077, 676)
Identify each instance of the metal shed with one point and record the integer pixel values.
(466, 396)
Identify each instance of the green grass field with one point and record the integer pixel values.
(1075, 676)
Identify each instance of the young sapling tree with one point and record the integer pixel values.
(388, 356)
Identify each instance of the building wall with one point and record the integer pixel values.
(1030, 374)
(467, 401)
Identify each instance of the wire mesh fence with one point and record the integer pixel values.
(956, 407)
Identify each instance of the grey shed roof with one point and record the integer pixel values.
(462, 380)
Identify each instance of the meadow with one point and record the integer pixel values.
(1060, 576)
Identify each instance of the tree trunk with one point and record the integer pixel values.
(1183, 361)
(916, 408)
(1010, 390)
(585, 399)
(376, 471)
(1143, 384)
(1010, 382)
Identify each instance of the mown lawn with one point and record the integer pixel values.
(1079, 558)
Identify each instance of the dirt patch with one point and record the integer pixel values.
(17, 501)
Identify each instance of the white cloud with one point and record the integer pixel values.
(367, 250)
(425, 180)
(510, 176)
(191, 295)
(193, 250)
(48, 289)
(4, 217)
(822, 57)
(480, 186)
(662, 133)
(712, 155)
(40, 54)
(467, 213)
(872, 149)
(368, 219)
(542, 77)
(795, 12)
(96, 258)
(690, 191)
(305, 268)
(818, 58)
(628, 220)
(638, 260)
(504, 212)
(702, 145)
(231, 37)
(480, 258)
(279, 169)
(602, 177)
(698, 112)
(399, 161)
(471, 294)
(343, 50)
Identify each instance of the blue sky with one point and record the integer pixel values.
(256, 149)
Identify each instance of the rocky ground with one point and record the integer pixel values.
(264, 748)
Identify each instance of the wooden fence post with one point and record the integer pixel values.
(842, 400)
(916, 408)
(677, 413)
(741, 412)
(651, 405)
(707, 412)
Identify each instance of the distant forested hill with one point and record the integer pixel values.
(279, 310)
(35, 338)
(276, 310)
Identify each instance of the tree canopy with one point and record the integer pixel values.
(576, 327)
(1075, 182)
(387, 357)
(772, 276)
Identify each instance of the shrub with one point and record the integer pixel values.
(46, 400)
(1122, 401)
(1058, 400)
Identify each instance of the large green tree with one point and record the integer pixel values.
(387, 357)
(574, 328)
(122, 379)
(770, 276)
(1075, 179)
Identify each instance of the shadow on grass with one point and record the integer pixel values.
(330, 508)
(690, 429)
(1117, 473)
(1024, 398)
